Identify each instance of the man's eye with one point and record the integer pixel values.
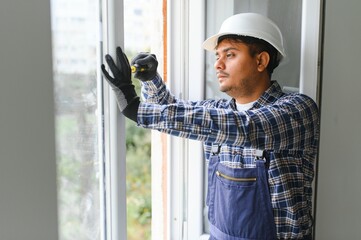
(229, 55)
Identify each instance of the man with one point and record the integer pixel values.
(260, 145)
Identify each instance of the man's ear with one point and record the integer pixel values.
(263, 59)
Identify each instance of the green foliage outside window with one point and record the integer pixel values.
(78, 164)
(138, 180)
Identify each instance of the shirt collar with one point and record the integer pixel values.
(271, 95)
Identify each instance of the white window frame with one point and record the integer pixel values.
(185, 55)
(310, 48)
(186, 63)
(114, 185)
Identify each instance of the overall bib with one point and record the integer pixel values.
(239, 202)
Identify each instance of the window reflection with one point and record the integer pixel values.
(75, 86)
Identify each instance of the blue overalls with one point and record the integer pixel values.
(239, 202)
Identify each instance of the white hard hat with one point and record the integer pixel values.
(251, 25)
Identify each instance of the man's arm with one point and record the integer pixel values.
(291, 125)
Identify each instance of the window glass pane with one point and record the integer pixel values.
(287, 14)
(75, 25)
(138, 29)
(75, 40)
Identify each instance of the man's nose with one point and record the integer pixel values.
(219, 64)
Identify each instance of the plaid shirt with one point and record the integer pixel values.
(287, 125)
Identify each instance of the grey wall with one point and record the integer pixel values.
(339, 188)
(28, 208)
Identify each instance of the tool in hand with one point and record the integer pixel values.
(136, 68)
(144, 66)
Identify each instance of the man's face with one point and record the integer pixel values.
(236, 69)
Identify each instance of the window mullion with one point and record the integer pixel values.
(115, 152)
(196, 73)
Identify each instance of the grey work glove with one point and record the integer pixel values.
(121, 83)
(146, 64)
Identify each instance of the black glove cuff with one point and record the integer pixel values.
(131, 111)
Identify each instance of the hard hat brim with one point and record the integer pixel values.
(249, 25)
(211, 43)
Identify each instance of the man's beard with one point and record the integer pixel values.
(244, 89)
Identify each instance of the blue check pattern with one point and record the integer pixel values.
(287, 125)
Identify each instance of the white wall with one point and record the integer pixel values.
(339, 187)
(28, 207)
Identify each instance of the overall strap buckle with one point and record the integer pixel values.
(216, 148)
(259, 154)
(262, 155)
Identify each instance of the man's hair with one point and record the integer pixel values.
(256, 46)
